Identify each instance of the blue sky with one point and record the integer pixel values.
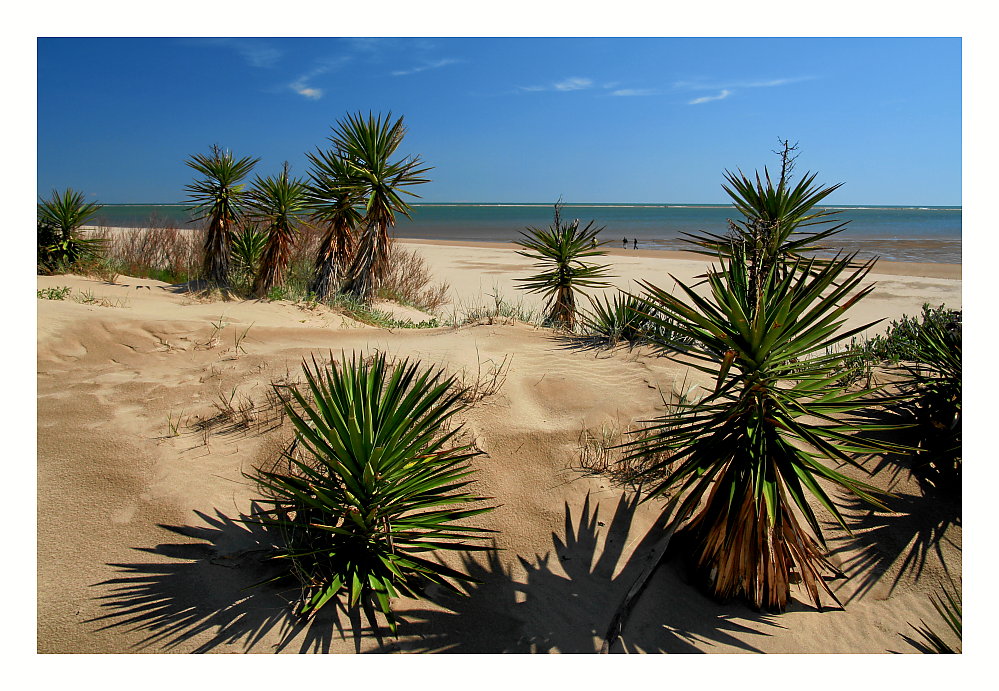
(640, 120)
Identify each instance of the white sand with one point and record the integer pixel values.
(111, 578)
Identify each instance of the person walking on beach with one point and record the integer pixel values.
(624, 243)
(635, 247)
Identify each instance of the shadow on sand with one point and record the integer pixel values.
(562, 601)
(203, 592)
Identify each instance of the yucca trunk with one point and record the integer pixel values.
(274, 261)
(563, 311)
(218, 240)
(737, 551)
(369, 263)
(333, 260)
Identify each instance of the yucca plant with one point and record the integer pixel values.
(774, 218)
(621, 317)
(559, 250)
(333, 202)
(613, 319)
(59, 221)
(741, 461)
(367, 146)
(246, 249)
(278, 203)
(381, 485)
(218, 197)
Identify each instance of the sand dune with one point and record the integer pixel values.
(140, 482)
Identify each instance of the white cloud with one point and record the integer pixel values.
(301, 85)
(724, 93)
(429, 66)
(713, 86)
(635, 92)
(259, 55)
(573, 84)
(309, 92)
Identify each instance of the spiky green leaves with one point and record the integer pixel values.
(935, 376)
(366, 146)
(774, 219)
(381, 485)
(559, 250)
(218, 197)
(59, 221)
(756, 446)
(334, 201)
(278, 203)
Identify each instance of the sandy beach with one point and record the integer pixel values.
(140, 479)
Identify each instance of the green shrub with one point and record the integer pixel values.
(901, 340)
(54, 293)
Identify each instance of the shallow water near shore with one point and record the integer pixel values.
(894, 233)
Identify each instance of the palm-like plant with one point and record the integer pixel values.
(334, 202)
(774, 221)
(381, 487)
(560, 250)
(367, 146)
(246, 249)
(218, 197)
(278, 202)
(745, 457)
(59, 221)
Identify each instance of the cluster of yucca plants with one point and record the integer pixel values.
(354, 190)
(378, 483)
(743, 463)
(559, 251)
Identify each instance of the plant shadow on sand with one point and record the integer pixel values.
(901, 543)
(565, 599)
(562, 602)
(204, 591)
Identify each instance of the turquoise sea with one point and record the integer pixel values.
(895, 233)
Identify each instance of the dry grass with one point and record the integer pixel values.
(409, 281)
(488, 379)
(170, 254)
(601, 453)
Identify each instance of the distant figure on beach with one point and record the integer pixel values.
(624, 243)
(593, 242)
(635, 247)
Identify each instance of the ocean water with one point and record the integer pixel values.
(926, 234)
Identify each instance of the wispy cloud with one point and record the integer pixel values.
(427, 66)
(573, 84)
(257, 55)
(724, 93)
(302, 86)
(567, 84)
(254, 52)
(635, 92)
